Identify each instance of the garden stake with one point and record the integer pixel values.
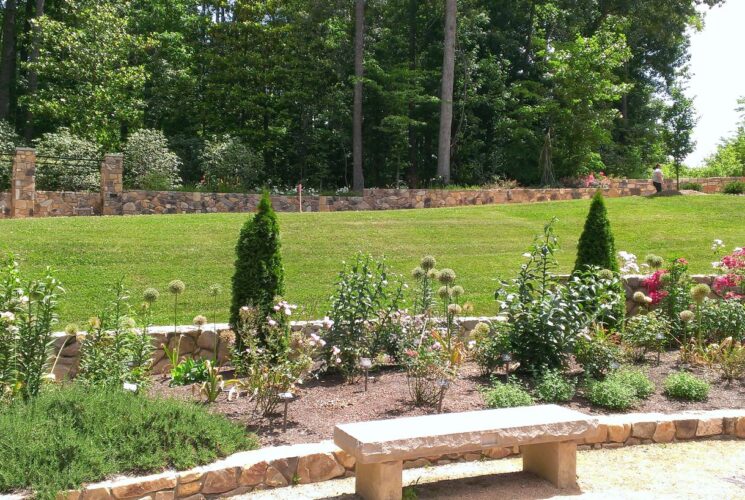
(443, 383)
(286, 397)
(506, 358)
(366, 364)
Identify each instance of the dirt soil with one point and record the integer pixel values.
(690, 470)
(323, 403)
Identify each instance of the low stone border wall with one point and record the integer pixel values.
(200, 342)
(310, 463)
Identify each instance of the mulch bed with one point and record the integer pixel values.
(324, 402)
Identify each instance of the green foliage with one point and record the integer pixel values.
(728, 357)
(363, 308)
(9, 140)
(636, 379)
(189, 371)
(612, 394)
(720, 319)
(553, 387)
(148, 163)
(259, 275)
(687, 387)
(546, 317)
(73, 435)
(734, 187)
(491, 343)
(228, 163)
(67, 174)
(597, 353)
(596, 244)
(272, 359)
(28, 314)
(506, 395)
(114, 352)
(91, 63)
(645, 333)
(691, 186)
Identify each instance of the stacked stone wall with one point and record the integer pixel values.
(284, 466)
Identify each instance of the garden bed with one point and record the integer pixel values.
(324, 402)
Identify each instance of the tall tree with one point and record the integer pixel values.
(358, 178)
(679, 122)
(8, 57)
(446, 93)
(33, 77)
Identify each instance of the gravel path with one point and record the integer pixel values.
(694, 470)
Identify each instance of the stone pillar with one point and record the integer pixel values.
(23, 183)
(112, 184)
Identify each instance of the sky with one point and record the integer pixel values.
(717, 76)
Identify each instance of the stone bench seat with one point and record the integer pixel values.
(547, 436)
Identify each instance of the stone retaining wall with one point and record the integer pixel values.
(24, 201)
(310, 463)
(199, 343)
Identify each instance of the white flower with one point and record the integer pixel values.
(276, 308)
(288, 311)
(129, 387)
(337, 361)
(50, 377)
(272, 322)
(471, 344)
(527, 255)
(24, 299)
(716, 265)
(327, 323)
(335, 351)
(7, 316)
(232, 393)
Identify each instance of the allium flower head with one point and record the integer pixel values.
(686, 316)
(150, 295)
(454, 309)
(176, 287)
(443, 293)
(447, 277)
(418, 273)
(640, 298)
(457, 291)
(428, 262)
(654, 261)
(199, 321)
(71, 329)
(94, 322)
(215, 290)
(433, 274)
(700, 292)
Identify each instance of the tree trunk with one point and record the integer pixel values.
(358, 179)
(446, 95)
(8, 61)
(33, 77)
(412, 175)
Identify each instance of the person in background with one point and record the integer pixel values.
(657, 178)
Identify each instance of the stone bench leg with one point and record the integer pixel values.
(555, 462)
(382, 481)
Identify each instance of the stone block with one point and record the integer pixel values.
(740, 428)
(274, 478)
(164, 495)
(254, 474)
(220, 481)
(96, 493)
(643, 430)
(600, 435)
(416, 464)
(189, 489)
(618, 432)
(686, 429)
(318, 467)
(141, 486)
(709, 427)
(497, 453)
(345, 459)
(664, 433)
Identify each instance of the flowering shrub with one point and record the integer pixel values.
(729, 357)
(731, 284)
(114, 354)
(269, 372)
(546, 317)
(363, 316)
(229, 164)
(720, 319)
(490, 346)
(28, 312)
(645, 333)
(597, 353)
(669, 289)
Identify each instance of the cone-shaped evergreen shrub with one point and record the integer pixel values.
(259, 276)
(596, 245)
(597, 248)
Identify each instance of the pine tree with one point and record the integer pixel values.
(259, 275)
(596, 245)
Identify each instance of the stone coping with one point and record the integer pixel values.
(415, 437)
(308, 463)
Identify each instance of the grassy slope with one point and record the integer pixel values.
(480, 243)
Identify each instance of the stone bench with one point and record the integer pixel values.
(547, 436)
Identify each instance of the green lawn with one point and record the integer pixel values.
(479, 243)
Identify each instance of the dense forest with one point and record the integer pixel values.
(336, 92)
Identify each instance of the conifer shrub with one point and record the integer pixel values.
(597, 248)
(259, 275)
